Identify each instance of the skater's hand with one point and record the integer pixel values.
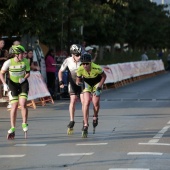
(97, 92)
(61, 83)
(81, 85)
(6, 88)
(21, 80)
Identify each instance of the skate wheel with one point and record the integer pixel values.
(84, 135)
(11, 136)
(25, 135)
(70, 131)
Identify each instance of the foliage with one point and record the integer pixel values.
(142, 24)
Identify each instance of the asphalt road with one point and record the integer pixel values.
(133, 133)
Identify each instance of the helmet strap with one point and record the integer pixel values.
(74, 59)
(18, 58)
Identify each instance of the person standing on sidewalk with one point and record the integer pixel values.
(71, 63)
(51, 71)
(3, 58)
(19, 71)
(94, 78)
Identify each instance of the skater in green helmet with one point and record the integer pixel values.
(19, 71)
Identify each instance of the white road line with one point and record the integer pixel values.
(144, 153)
(87, 144)
(11, 156)
(128, 169)
(30, 145)
(154, 141)
(164, 129)
(75, 154)
(161, 144)
(159, 135)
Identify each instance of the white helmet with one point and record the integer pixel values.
(75, 49)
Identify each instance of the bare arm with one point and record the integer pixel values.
(2, 73)
(78, 80)
(27, 75)
(60, 78)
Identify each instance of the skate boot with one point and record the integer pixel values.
(25, 129)
(70, 129)
(84, 131)
(11, 133)
(95, 123)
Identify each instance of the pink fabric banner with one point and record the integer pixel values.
(119, 72)
(37, 86)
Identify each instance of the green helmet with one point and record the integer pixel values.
(17, 49)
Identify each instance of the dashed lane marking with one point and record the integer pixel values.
(30, 145)
(92, 144)
(159, 144)
(145, 153)
(138, 100)
(11, 156)
(157, 137)
(128, 169)
(76, 154)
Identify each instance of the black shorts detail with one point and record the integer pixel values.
(17, 88)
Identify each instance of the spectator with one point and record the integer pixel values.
(168, 61)
(33, 65)
(89, 50)
(3, 58)
(10, 50)
(160, 54)
(83, 46)
(51, 70)
(144, 57)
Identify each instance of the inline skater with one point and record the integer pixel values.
(72, 63)
(94, 78)
(19, 71)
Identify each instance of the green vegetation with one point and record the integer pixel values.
(142, 24)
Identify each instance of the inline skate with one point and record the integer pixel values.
(84, 131)
(25, 129)
(70, 129)
(11, 133)
(95, 123)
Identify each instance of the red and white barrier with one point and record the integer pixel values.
(118, 72)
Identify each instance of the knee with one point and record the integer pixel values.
(23, 106)
(96, 105)
(86, 103)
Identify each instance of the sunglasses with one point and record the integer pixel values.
(77, 55)
(85, 63)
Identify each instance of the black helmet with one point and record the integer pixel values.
(86, 58)
(75, 49)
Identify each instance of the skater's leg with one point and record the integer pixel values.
(24, 111)
(96, 105)
(13, 114)
(72, 106)
(86, 104)
(82, 99)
